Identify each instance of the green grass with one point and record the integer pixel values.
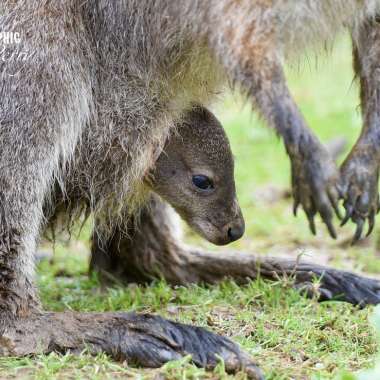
(290, 337)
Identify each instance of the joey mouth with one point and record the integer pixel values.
(224, 235)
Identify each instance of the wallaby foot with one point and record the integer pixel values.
(322, 282)
(316, 281)
(140, 339)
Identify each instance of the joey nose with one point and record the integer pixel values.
(235, 232)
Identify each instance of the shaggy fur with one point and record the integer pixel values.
(126, 69)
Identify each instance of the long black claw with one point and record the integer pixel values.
(334, 196)
(295, 206)
(331, 228)
(310, 218)
(312, 227)
(358, 232)
(326, 214)
(349, 211)
(371, 222)
(337, 211)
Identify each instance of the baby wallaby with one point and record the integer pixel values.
(195, 175)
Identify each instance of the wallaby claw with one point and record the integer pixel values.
(315, 187)
(359, 184)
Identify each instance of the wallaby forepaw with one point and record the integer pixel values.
(359, 188)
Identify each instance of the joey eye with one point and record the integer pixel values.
(203, 182)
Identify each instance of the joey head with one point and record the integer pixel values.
(195, 174)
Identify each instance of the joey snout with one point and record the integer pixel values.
(233, 230)
(236, 230)
(218, 228)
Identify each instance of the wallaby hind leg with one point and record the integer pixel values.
(40, 119)
(152, 251)
(140, 339)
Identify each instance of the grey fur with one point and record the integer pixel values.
(127, 69)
